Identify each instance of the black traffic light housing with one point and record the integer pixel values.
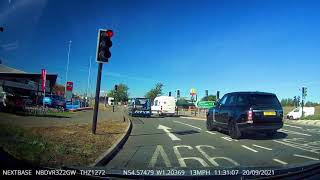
(170, 93)
(104, 45)
(116, 87)
(178, 93)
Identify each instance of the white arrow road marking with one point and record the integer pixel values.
(187, 125)
(307, 157)
(293, 126)
(293, 132)
(281, 162)
(249, 148)
(166, 129)
(262, 147)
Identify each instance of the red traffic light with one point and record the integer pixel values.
(109, 33)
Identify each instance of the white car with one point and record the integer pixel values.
(164, 105)
(297, 112)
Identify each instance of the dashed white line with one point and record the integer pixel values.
(210, 132)
(281, 162)
(293, 126)
(226, 138)
(253, 150)
(293, 132)
(262, 147)
(307, 157)
(188, 125)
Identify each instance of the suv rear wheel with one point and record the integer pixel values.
(234, 131)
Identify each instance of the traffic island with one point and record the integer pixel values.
(60, 144)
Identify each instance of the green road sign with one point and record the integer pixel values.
(205, 104)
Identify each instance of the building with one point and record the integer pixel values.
(19, 83)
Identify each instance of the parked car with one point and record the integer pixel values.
(241, 112)
(58, 102)
(164, 105)
(297, 112)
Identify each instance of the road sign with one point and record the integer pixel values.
(205, 104)
(69, 86)
(193, 91)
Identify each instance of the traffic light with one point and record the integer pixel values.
(169, 93)
(304, 92)
(218, 94)
(104, 45)
(178, 93)
(207, 93)
(116, 87)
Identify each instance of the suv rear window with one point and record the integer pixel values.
(265, 101)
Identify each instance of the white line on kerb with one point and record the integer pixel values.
(249, 148)
(279, 161)
(307, 157)
(293, 126)
(210, 132)
(262, 147)
(187, 125)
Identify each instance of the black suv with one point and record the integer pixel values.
(240, 112)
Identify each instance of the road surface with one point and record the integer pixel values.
(174, 142)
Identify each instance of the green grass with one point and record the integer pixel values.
(315, 117)
(23, 144)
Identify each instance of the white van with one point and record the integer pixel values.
(297, 112)
(164, 105)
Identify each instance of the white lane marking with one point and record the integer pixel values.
(307, 157)
(187, 125)
(166, 129)
(249, 148)
(159, 151)
(210, 132)
(293, 132)
(262, 147)
(293, 126)
(212, 160)
(226, 138)
(281, 162)
(182, 160)
(298, 146)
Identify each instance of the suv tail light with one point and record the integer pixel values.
(250, 115)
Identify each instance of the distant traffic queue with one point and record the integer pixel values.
(139, 107)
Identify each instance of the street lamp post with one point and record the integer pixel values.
(65, 93)
(89, 76)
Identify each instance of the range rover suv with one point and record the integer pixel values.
(240, 112)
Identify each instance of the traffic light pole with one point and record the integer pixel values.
(96, 104)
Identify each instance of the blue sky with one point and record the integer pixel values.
(257, 45)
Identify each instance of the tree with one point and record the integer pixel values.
(209, 98)
(154, 92)
(58, 89)
(121, 95)
(287, 102)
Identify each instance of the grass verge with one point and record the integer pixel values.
(72, 145)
